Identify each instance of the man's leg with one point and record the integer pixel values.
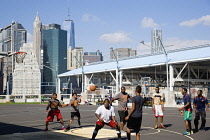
(203, 118)
(70, 122)
(79, 123)
(95, 132)
(78, 116)
(118, 131)
(190, 126)
(156, 122)
(186, 124)
(197, 118)
(62, 124)
(128, 133)
(46, 124)
(161, 123)
(115, 125)
(138, 135)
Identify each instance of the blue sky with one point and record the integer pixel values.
(101, 24)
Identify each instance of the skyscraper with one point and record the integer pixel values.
(37, 44)
(155, 42)
(55, 52)
(68, 25)
(12, 37)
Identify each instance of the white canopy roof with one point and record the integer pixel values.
(190, 54)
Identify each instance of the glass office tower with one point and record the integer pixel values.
(55, 53)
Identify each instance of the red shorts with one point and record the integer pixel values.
(111, 124)
(51, 115)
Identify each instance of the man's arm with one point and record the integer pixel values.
(207, 105)
(113, 118)
(194, 105)
(182, 108)
(162, 103)
(99, 118)
(48, 106)
(64, 105)
(131, 111)
(80, 99)
(153, 107)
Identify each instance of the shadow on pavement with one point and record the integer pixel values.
(11, 129)
(167, 125)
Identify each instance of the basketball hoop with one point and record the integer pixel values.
(20, 56)
(145, 81)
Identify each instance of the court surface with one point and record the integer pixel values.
(26, 122)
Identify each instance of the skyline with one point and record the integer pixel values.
(102, 24)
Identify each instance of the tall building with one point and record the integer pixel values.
(68, 25)
(27, 75)
(91, 57)
(37, 44)
(76, 57)
(122, 53)
(55, 52)
(155, 42)
(12, 37)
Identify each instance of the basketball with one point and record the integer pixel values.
(93, 88)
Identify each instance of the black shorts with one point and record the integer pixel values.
(134, 123)
(75, 114)
(122, 115)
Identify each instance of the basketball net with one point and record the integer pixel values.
(20, 56)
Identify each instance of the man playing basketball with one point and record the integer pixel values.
(106, 115)
(53, 104)
(74, 107)
(122, 98)
(158, 107)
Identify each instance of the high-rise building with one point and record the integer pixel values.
(91, 57)
(37, 43)
(27, 75)
(68, 25)
(55, 53)
(76, 57)
(155, 42)
(12, 37)
(122, 53)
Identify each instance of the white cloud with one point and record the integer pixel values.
(89, 17)
(148, 22)
(205, 20)
(115, 37)
(30, 38)
(176, 42)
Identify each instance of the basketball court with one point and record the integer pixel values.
(21, 122)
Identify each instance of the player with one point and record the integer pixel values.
(106, 115)
(53, 104)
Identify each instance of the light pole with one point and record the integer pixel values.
(56, 70)
(82, 72)
(166, 55)
(117, 71)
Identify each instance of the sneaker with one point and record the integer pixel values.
(63, 128)
(45, 130)
(162, 126)
(191, 132)
(123, 133)
(68, 128)
(186, 133)
(201, 129)
(156, 127)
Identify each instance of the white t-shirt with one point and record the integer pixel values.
(105, 114)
